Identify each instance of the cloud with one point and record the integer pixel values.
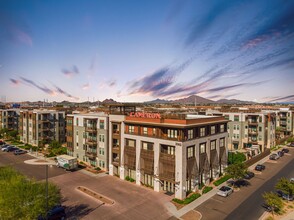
(42, 88)
(86, 86)
(61, 91)
(289, 98)
(14, 82)
(70, 72)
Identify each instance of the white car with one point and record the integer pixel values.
(5, 148)
(292, 180)
(225, 191)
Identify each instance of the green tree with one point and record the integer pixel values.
(274, 202)
(55, 144)
(285, 186)
(234, 158)
(2, 132)
(236, 171)
(22, 198)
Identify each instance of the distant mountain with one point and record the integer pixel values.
(109, 101)
(158, 101)
(192, 100)
(189, 100)
(233, 101)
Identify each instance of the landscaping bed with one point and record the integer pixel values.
(95, 195)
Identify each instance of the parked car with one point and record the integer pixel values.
(56, 213)
(6, 148)
(18, 152)
(292, 144)
(285, 150)
(238, 183)
(292, 180)
(2, 142)
(260, 167)
(280, 153)
(284, 195)
(267, 207)
(12, 149)
(225, 191)
(248, 175)
(274, 157)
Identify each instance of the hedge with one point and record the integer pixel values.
(188, 199)
(206, 189)
(222, 180)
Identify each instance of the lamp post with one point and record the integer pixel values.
(46, 163)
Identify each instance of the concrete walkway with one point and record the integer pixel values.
(290, 216)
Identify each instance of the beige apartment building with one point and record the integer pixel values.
(285, 122)
(249, 130)
(40, 127)
(9, 119)
(87, 138)
(173, 153)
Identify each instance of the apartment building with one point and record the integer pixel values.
(284, 122)
(9, 119)
(249, 130)
(40, 127)
(87, 138)
(174, 153)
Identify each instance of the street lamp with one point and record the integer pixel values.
(45, 163)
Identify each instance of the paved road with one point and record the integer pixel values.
(34, 171)
(251, 208)
(246, 203)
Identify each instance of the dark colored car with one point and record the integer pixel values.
(18, 152)
(285, 150)
(248, 175)
(280, 153)
(238, 183)
(259, 167)
(268, 208)
(284, 195)
(12, 149)
(2, 143)
(56, 213)
(292, 144)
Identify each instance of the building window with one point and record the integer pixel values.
(77, 122)
(130, 142)
(154, 131)
(147, 146)
(221, 142)
(213, 145)
(131, 129)
(260, 119)
(101, 164)
(190, 134)
(168, 149)
(101, 151)
(202, 132)
(202, 147)
(171, 133)
(260, 128)
(145, 130)
(101, 138)
(238, 127)
(222, 128)
(101, 124)
(227, 117)
(212, 129)
(236, 117)
(190, 151)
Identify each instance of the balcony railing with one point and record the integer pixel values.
(91, 154)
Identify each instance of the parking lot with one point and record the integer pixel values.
(130, 201)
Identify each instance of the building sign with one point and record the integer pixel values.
(145, 115)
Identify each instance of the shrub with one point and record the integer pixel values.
(201, 185)
(222, 180)
(97, 168)
(127, 178)
(131, 180)
(206, 189)
(188, 199)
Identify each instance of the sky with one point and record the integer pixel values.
(141, 50)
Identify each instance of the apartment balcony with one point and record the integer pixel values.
(91, 142)
(116, 161)
(147, 154)
(91, 154)
(252, 122)
(91, 129)
(116, 149)
(252, 132)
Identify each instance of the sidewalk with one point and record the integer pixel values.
(178, 213)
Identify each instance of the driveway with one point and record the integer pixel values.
(130, 201)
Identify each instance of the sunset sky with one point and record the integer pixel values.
(135, 50)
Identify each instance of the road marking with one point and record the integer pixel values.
(220, 201)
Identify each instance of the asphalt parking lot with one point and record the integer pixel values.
(130, 201)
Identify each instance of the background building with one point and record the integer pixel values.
(40, 127)
(87, 138)
(9, 119)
